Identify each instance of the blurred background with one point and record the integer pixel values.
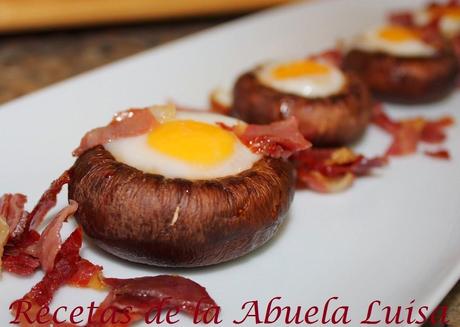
(45, 41)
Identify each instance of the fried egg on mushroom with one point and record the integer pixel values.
(189, 145)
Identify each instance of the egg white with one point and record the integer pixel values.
(308, 86)
(135, 152)
(372, 42)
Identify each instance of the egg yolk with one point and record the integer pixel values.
(300, 68)
(193, 142)
(397, 34)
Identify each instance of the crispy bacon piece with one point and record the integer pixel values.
(41, 294)
(405, 141)
(317, 182)
(66, 265)
(21, 253)
(332, 170)
(439, 154)
(50, 241)
(12, 211)
(404, 18)
(16, 258)
(144, 293)
(21, 264)
(140, 295)
(408, 133)
(433, 131)
(280, 139)
(88, 275)
(333, 56)
(47, 201)
(127, 123)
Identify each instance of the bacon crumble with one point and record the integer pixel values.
(332, 170)
(408, 133)
(280, 139)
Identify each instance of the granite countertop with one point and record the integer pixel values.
(30, 62)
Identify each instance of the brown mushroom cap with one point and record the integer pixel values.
(405, 80)
(160, 221)
(330, 121)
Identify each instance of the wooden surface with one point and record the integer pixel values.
(17, 15)
(30, 62)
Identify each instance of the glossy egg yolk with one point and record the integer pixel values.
(299, 68)
(193, 142)
(397, 34)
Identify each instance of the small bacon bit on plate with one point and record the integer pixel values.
(16, 258)
(88, 275)
(65, 266)
(47, 201)
(404, 18)
(50, 241)
(41, 294)
(332, 170)
(127, 123)
(221, 101)
(332, 56)
(280, 139)
(408, 133)
(144, 293)
(21, 253)
(12, 211)
(137, 295)
(439, 154)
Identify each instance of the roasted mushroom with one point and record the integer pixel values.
(400, 64)
(332, 108)
(163, 214)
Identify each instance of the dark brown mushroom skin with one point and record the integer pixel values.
(130, 213)
(404, 80)
(330, 121)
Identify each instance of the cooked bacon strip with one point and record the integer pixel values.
(42, 293)
(21, 264)
(66, 265)
(127, 123)
(439, 154)
(143, 293)
(433, 131)
(404, 18)
(12, 211)
(140, 294)
(21, 255)
(16, 258)
(47, 201)
(405, 141)
(317, 182)
(88, 275)
(408, 133)
(280, 139)
(332, 170)
(332, 56)
(50, 240)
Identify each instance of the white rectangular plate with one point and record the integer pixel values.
(392, 237)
